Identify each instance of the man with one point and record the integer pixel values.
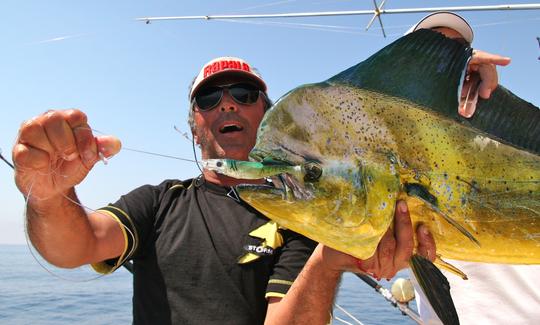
(201, 255)
(494, 294)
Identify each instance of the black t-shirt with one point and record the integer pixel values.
(195, 261)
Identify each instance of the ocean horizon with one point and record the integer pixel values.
(36, 294)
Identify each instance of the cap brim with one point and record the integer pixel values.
(446, 19)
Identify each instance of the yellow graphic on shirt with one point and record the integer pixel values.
(271, 239)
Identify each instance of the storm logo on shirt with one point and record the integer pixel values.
(259, 250)
(271, 239)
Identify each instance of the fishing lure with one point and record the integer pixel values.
(249, 169)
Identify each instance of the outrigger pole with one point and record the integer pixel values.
(377, 12)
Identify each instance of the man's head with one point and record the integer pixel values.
(448, 23)
(227, 102)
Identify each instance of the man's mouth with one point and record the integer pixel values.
(231, 127)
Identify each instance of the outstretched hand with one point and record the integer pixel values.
(481, 80)
(55, 151)
(393, 252)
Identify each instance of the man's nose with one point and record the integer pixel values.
(228, 104)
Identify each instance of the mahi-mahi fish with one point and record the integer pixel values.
(338, 154)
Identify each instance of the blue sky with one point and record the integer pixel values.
(132, 79)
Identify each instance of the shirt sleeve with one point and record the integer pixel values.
(135, 212)
(295, 252)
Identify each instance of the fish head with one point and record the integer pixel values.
(339, 194)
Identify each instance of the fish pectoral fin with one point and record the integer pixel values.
(442, 264)
(436, 288)
(421, 192)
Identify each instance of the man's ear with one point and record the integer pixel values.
(195, 136)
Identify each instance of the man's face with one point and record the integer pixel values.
(229, 129)
(451, 33)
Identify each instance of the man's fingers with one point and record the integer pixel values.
(490, 80)
(481, 57)
(404, 235)
(75, 118)
(86, 145)
(385, 255)
(33, 135)
(60, 135)
(426, 243)
(26, 157)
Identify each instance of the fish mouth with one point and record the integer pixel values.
(283, 185)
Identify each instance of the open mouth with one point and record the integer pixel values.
(229, 128)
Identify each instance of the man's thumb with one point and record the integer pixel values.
(108, 145)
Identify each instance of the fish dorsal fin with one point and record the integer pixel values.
(423, 67)
(427, 69)
(509, 118)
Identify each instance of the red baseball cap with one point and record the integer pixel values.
(226, 65)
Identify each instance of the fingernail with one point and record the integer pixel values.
(402, 206)
(89, 156)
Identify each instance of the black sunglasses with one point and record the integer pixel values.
(209, 97)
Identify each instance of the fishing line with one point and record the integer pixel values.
(86, 208)
(326, 28)
(505, 22)
(150, 152)
(5, 160)
(348, 314)
(272, 4)
(27, 236)
(192, 140)
(342, 320)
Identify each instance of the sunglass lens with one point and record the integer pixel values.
(209, 97)
(244, 93)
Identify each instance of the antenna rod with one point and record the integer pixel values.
(534, 6)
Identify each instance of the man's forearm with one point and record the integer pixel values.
(59, 229)
(310, 298)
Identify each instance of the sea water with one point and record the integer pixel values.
(31, 295)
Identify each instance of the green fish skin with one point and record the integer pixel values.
(388, 128)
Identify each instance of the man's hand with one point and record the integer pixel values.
(393, 252)
(55, 151)
(481, 80)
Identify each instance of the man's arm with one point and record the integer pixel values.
(310, 298)
(53, 153)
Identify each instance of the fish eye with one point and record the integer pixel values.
(312, 171)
